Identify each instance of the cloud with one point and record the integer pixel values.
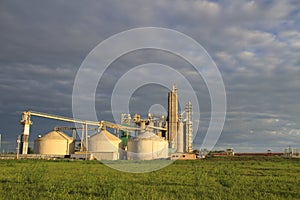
(255, 44)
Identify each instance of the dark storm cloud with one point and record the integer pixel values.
(254, 43)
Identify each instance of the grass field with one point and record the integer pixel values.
(213, 178)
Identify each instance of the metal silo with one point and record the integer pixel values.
(105, 146)
(147, 146)
(54, 143)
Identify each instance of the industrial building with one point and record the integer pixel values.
(292, 152)
(156, 137)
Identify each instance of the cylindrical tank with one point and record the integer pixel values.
(180, 138)
(54, 143)
(147, 146)
(105, 146)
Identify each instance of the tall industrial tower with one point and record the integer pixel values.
(26, 126)
(172, 116)
(188, 127)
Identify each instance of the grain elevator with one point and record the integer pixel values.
(135, 138)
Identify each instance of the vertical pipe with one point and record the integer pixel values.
(18, 147)
(68, 151)
(189, 127)
(86, 136)
(82, 137)
(143, 126)
(180, 145)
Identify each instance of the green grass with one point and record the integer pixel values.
(213, 178)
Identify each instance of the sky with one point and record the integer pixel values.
(255, 45)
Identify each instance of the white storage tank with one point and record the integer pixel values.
(105, 146)
(54, 143)
(180, 138)
(147, 146)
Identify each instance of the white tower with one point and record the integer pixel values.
(188, 127)
(26, 126)
(180, 136)
(172, 116)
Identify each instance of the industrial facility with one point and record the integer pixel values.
(156, 137)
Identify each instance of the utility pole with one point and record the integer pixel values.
(18, 147)
(0, 143)
(86, 140)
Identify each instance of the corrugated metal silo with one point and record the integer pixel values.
(147, 146)
(105, 146)
(54, 143)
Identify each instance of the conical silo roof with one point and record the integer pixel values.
(148, 135)
(105, 135)
(55, 135)
(104, 141)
